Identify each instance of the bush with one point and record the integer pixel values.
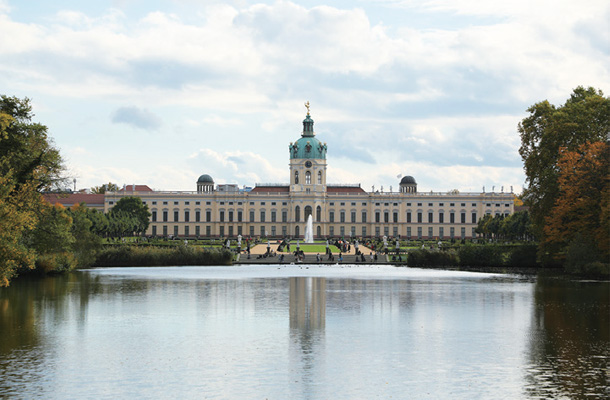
(134, 256)
(597, 269)
(523, 256)
(584, 258)
(55, 263)
(580, 252)
(480, 256)
(430, 258)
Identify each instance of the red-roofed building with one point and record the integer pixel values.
(67, 200)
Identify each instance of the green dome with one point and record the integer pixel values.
(307, 146)
(205, 179)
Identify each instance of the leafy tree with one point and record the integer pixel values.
(106, 187)
(517, 226)
(99, 222)
(28, 164)
(584, 118)
(495, 224)
(25, 148)
(582, 208)
(483, 225)
(86, 242)
(52, 239)
(131, 206)
(489, 226)
(122, 223)
(52, 233)
(17, 218)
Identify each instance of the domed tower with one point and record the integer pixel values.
(307, 160)
(408, 185)
(205, 184)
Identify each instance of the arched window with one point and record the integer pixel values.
(319, 178)
(318, 214)
(296, 177)
(319, 230)
(307, 213)
(297, 214)
(308, 178)
(296, 232)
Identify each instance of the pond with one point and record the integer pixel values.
(303, 332)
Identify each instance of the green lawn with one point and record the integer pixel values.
(313, 248)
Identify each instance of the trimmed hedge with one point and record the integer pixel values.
(134, 256)
(523, 256)
(471, 255)
(480, 256)
(430, 258)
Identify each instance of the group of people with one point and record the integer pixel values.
(331, 256)
(343, 245)
(269, 253)
(299, 255)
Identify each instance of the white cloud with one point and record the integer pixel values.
(220, 121)
(241, 167)
(430, 177)
(383, 91)
(78, 150)
(263, 47)
(322, 38)
(137, 118)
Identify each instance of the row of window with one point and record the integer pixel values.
(229, 216)
(440, 232)
(208, 203)
(273, 203)
(232, 216)
(208, 231)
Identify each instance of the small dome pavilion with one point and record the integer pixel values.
(408, 185)
(205, 184)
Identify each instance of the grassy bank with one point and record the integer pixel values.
(135, 256)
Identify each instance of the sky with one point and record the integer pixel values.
(161, 92)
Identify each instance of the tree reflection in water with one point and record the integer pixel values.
(27, 302)
(569, 341)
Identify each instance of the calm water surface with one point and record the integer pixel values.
(292, 332)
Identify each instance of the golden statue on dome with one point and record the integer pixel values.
(307, 106)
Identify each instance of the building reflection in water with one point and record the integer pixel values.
(307, 324)
(307, 303)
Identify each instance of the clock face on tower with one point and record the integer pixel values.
(308, 164)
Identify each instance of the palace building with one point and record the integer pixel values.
(344, 210)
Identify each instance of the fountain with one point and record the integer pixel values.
(309, 230)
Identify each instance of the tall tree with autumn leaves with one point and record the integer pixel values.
(551, 138)
(581, 214)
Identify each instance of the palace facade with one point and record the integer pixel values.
(282, 210)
